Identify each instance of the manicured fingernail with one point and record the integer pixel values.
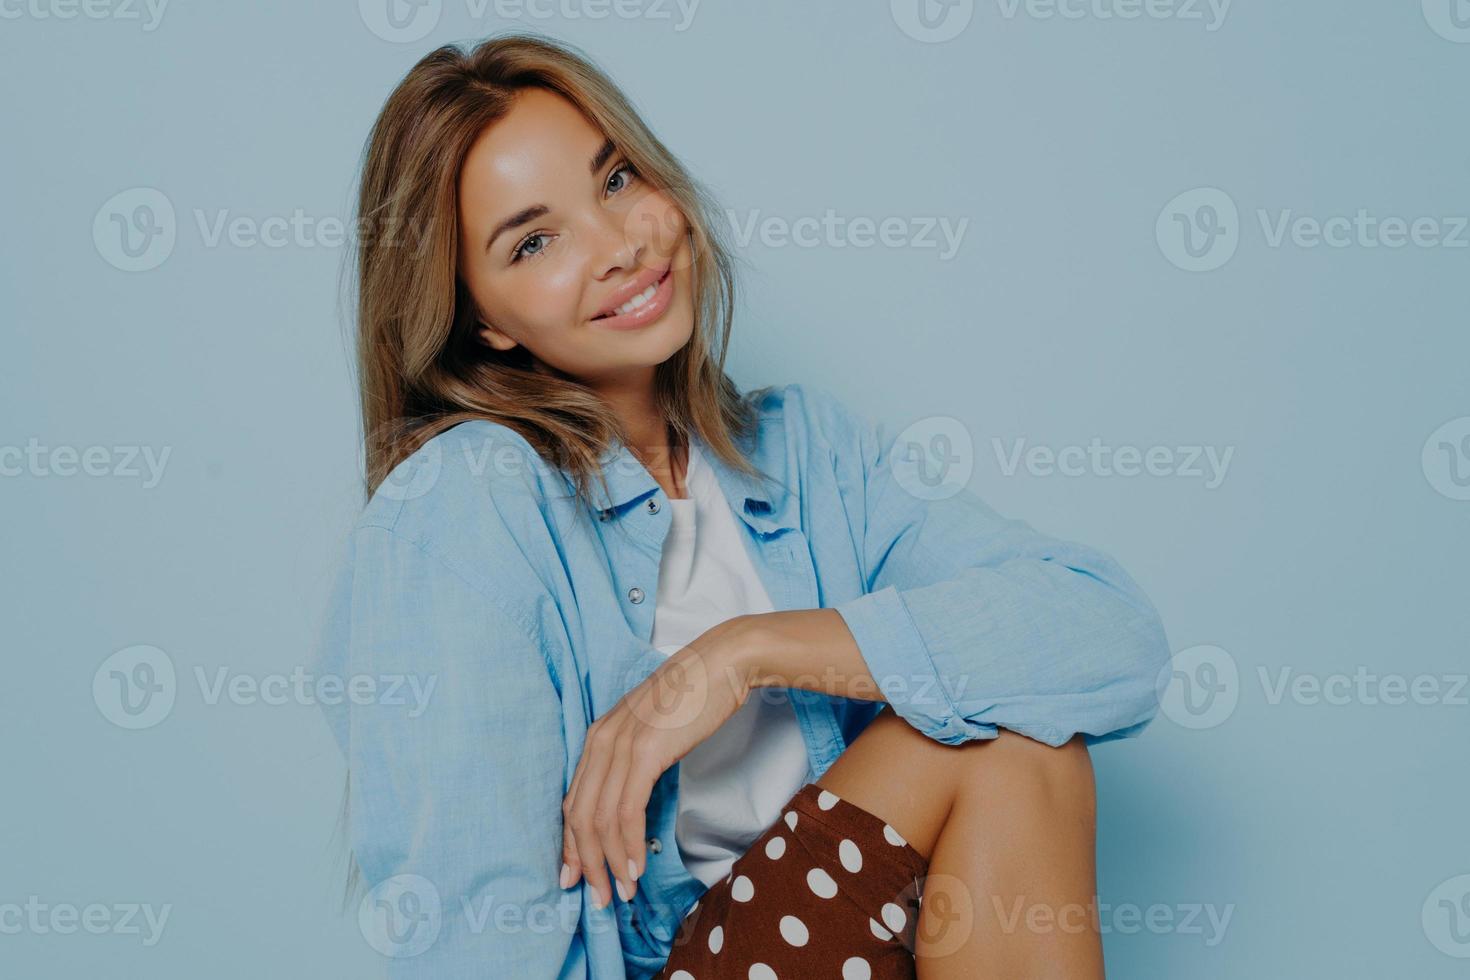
(566, 874)
(623, 892)
(597, 903)
(632, 869)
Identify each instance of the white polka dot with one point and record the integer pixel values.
(759, 971)
(879, 931)
(743, 890)
(857, 968)
(826, 800)
(791, 819)
(793, 930)
(775, 847)
(893, 837)
(682, 975)
(716, 940)
(852, 858)
(821, 883)
(893, 917)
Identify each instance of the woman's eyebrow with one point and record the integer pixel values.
(527, 215)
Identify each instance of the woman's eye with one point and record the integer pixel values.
(524, 249)
(628, 167)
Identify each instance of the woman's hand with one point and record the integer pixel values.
(653, 726)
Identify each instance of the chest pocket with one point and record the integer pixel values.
(783, 561)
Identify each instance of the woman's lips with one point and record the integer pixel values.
(647, 313)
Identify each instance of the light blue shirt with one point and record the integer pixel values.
(474, 569)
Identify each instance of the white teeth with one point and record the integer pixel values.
(638, 300)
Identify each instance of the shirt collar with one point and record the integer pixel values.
(760, 503)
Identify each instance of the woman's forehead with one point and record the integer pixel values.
(543, 135)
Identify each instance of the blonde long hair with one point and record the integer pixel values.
(421, 367)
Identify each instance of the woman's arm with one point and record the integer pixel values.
(456, 794)
(970, 621)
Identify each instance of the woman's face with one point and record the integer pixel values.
(556, 228)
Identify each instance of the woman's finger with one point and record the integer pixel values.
(610, 805)
(570, 855)
(595, 755)
(643, 771)
(571, 864)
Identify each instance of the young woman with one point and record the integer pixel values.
(711, 685)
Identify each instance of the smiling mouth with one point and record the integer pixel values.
(639, 301)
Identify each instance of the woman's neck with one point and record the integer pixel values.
(670, 469)
(648, 436)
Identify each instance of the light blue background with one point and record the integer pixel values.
(1322, 829)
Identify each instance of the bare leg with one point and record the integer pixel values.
(1009, 828)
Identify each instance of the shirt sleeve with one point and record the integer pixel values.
(456, 757)
(972, 622)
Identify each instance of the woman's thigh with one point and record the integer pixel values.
(898, 774)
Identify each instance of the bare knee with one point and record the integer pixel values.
(1021, 837)
(1020, 771)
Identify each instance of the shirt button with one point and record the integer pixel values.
(652, 506)
(635, 594)
(655, 845)
(603, 515)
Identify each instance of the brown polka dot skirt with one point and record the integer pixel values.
(828, 891)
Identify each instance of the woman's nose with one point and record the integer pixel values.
(619, 245)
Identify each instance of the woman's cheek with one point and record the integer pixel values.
(668, 221)
(560, 299)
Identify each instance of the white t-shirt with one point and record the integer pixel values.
(733, 784)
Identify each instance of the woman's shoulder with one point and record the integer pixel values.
(810, 411)
(472, 495)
